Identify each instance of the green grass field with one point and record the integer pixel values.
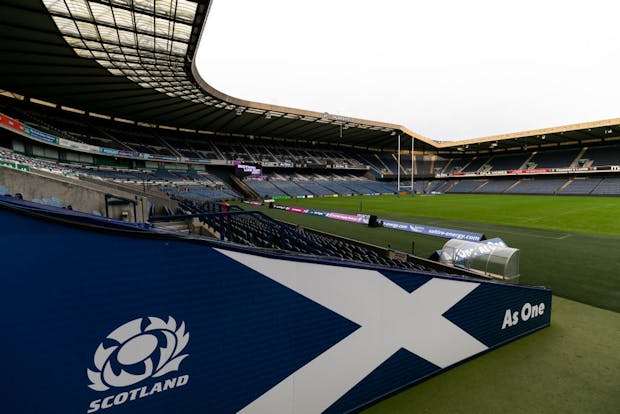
(569, 244)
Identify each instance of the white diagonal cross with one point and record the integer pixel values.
(390, 318)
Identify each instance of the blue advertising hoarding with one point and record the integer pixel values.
(111, 323)
(433, 231)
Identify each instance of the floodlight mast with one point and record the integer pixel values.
(398, 166)
(412, 147)
(411, 190)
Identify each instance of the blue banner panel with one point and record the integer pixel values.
(102, 322)
(41, 136)
(433, 231)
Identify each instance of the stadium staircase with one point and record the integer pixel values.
(579, 156)
(563, 186)
(243, 188)
(528, 160)
(175, 226)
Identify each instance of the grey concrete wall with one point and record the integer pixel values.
(82, 196)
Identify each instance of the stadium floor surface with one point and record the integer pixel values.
(573, 366)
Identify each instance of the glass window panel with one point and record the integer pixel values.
(100, 55)
(186, 10)
(146, 42)
(79, 9)
(102, 13)
(119, 64)
(66, 26)
(56, 6)
(115, 72)
(179, 48)
(182, 32)
(144, 23)
(162, 45)
(125, 3)
(128, 50)
(84, 53)
(105, 63)
(163, 27)
(164, 7)
(88, 30)
(110, 48)
(108, 34)
(127, 38)
(124, 18)
(75, 43)
(117, 56)
(93, 45)
(146, 5)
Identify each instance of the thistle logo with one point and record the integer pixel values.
(138, 350)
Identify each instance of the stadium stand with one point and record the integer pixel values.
(264, 188)
(554, 158)
(36, 163)
(389, 162)
(537, 186)
(423, 167)
(258, 230)
(289, 187)
(496, 186)
(608, 186)
(601, 156)
(508, 162)
(473, 165)
(313, 187)
(201, 193)
(466, 186)
(581, 186)
(439, 166)
(439, 186)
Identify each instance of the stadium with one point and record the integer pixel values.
(168, 248)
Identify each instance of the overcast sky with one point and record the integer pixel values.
(446, 69)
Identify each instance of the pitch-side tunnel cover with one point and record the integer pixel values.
(106, 322)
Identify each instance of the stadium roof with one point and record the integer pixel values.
(133, 60)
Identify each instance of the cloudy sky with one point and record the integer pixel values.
(447, 69)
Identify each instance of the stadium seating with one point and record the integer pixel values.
(466, 186)
(608, 186)
(201, 193)
(314, 187)
(581, 186)
(264, 188)
(438, 186)
(439, 166)
(537, 186)
(474, 165)
(390, 163)
(555, 158)
(258, 230)
(36, 163)
(423, 167)
(508, 162)
(607, 155)
(290, 188)
(496, 186)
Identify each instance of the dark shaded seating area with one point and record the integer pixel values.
(253, 228)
